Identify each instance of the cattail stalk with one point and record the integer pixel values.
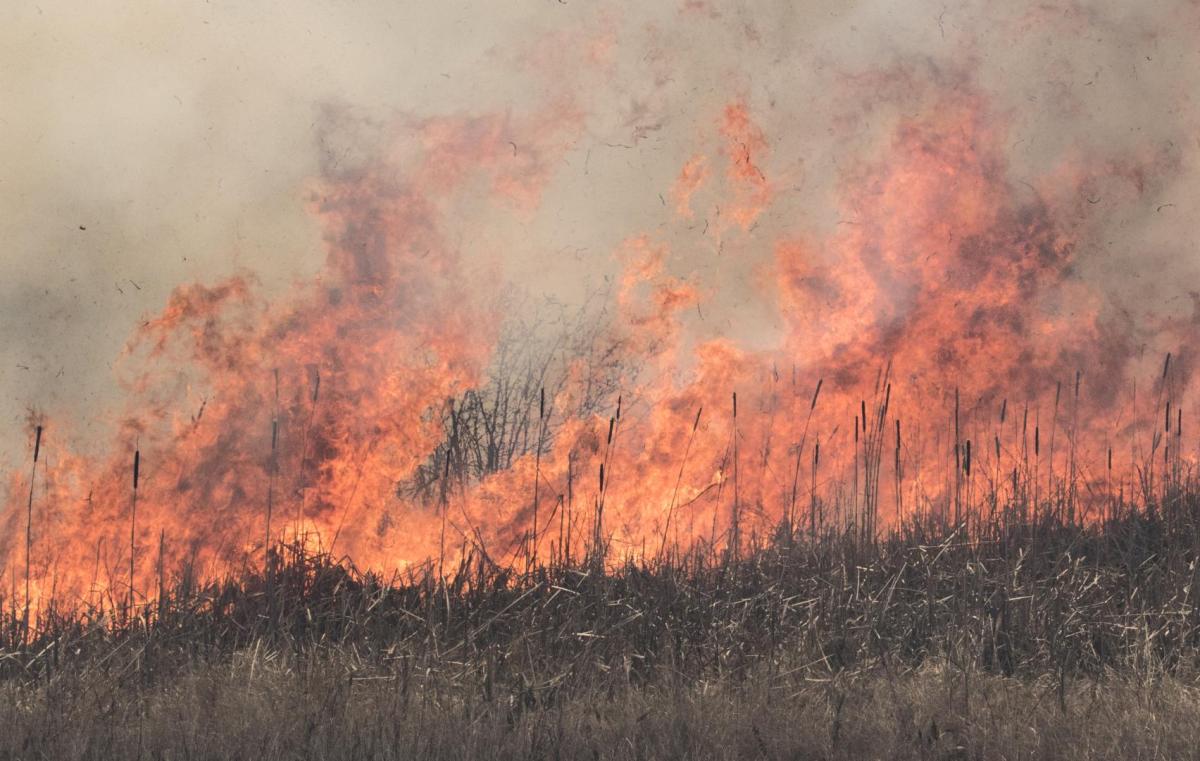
(137, 466)
(37, 448)
(678, 480)
(271, 476)
(162, 599)
(812, 490)
(957, 466)
(735, 528)
(614, 423)
(312, 411)
(791, 515)
(537, 474)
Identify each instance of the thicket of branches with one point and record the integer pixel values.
(488, 428)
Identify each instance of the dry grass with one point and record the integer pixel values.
(1051, 641)
(263, 704)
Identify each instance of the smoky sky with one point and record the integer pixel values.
(148, 144)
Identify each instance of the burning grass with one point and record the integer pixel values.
(1007, 642)
(624, 536)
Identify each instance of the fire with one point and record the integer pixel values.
(938, 346)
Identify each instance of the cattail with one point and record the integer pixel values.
(967, 459)
(678, 480)
(957, 463)
(137, 467)
(1166, 366)
(1003, 411)
(1037, 440)
(816, 393)
(812, 510)
(537, 472)
(735, 534)
(271, 479)
(312, 411)
(37, 449)
(162, 537)
(1167, 418)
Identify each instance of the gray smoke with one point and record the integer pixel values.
(146, 144)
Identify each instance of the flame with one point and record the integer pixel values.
(942, 320)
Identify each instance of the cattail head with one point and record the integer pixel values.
(1003, 411)
(37, 443)
(967, 459)
(735, 405)
(816, 393)
(542, 404)
(696, 424)
(137, 466)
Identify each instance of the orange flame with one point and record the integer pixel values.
(945, 309)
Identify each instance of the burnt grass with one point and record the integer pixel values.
(931, 642)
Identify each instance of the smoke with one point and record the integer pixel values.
(219, 181)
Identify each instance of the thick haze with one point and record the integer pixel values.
(148, 144)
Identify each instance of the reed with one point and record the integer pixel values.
(137, 463)
(679, 480)
(37, 448)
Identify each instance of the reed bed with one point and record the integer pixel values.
(927, 633)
